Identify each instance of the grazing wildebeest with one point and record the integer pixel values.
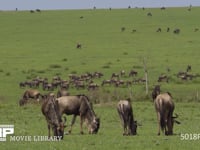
(92, 86)
(162, 78)
(132, 73)
(162, 8)
(177, 31)
(79, 105)
(164, 107)
(106, 82)
(125, 112)
(50, 110)
(196, 29)
(62, 92)
(123, 29)
(78, 45)
(38, 10)
(31, 93)
(149, 14)
(159, 30)
(134, 30)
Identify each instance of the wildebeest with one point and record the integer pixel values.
(149, 14)
(125, 112)
(189, 68)
(78, 45)
(32, 93)
(62, 92)
(176, 31)
(123, 29)
(163, 77)
(38, 10)
(50, 110)
(79, 105)
(32, 11)
(168, 29)
(164, 107)
(159, 30)
(132, 73)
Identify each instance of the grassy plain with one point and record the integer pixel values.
(31, 43)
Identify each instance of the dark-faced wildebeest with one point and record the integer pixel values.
(164, 107)
(50, 110)
(125, 112)
(79, 105)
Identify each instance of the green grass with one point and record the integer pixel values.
(44, 44)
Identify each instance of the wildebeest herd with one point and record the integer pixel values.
(53, 108)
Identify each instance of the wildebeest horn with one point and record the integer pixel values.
(176, 116)
(177, 122)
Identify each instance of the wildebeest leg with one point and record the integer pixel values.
(125, 127)
(169, 125)
(159, 123)
(72, 123)
(122, 122)
(49, 128)
(81, 123)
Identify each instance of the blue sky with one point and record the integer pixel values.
(87, 4)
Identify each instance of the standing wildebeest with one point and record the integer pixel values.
(164, 107)
(50, 110)
(125, 112)
(79, 105)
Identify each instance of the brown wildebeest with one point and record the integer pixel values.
(162, 78)
(79, 105)
(62, 92)
(50, 110)
(32, 93)
(132, 73)
(125, 112)
(106, 82)
(164, 107)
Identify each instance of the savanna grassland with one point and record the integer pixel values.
(44, 44)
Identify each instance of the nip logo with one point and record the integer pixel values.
(5, 130)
